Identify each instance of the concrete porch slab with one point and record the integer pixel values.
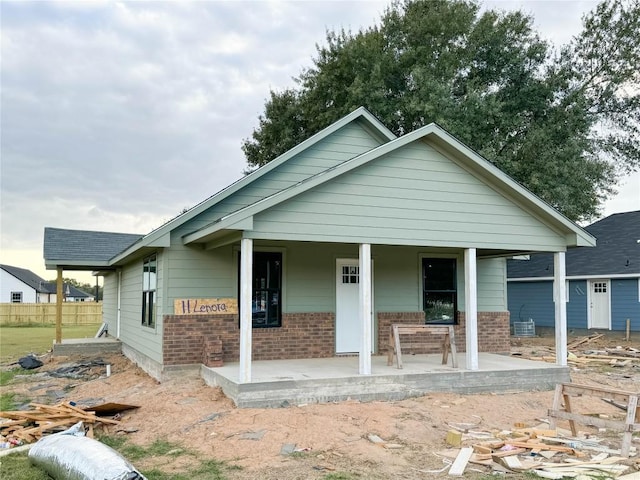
(277, 383)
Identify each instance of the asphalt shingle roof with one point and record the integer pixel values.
(61, 245)
(27, 277)
(617, 252)
(40, 285)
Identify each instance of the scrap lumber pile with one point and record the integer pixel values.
(28, 426)
(547, 453)
(580, 353)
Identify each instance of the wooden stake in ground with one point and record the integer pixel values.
(460, 463)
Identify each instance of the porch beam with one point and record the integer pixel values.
(471, 308)
(365, 309)
(59, 283)
(560, 301)
(246, 274)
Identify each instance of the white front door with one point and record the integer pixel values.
(599, 310)
(348, 328)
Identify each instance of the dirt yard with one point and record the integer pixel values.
(325, 438)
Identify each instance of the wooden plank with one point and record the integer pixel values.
(577, 389)
(588, 420)
(630, 418)
(510, 461)
(452, 347)
(110, 408)
(396, 339)
(460, 463)
(542, 446)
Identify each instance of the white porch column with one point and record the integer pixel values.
(560, 300)
(246, 274)
(365, 309)
(471, 308)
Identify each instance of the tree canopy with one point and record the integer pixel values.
(564, 122)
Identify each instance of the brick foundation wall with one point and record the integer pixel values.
(302, 335)
(193, 339)
(493, 333)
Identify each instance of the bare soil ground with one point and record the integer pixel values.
(327, 437)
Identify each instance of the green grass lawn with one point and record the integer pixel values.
(16, 342)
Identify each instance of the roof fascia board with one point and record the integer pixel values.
(162, 241)
(359, 113)
(226, 223)
(223, 241)
(76, 264)
(486, 168)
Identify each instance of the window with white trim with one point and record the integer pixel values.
(149, 285)
(266, 287)
(439, 290)
(16, 297)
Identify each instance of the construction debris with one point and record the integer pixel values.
(553, 452)
(549, 456)
(19, 427)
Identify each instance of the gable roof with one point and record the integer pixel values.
(82, 249)
(469, 159)
(110, 251)
(617, 252)
(361, 114)
(27, 277)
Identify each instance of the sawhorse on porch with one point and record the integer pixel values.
(448, 341)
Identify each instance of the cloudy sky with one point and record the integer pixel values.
(116, 116)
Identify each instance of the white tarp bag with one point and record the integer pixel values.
(69, 455)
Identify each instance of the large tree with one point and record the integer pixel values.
(563, 122)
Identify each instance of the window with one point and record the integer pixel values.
(350, 274)
(600, 287)
(149, 284)
(16, 297)
(439, 290)
(266, 303)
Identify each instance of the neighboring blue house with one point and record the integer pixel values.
(603, 282)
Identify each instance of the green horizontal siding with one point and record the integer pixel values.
(110, 301)
(348, 142)
(147, 341)
(413, 196)
(492, 285)
(309, 281)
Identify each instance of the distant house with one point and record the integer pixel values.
(318, 252)
(19, 285)
(603, 282)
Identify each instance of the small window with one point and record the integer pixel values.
(149, 285)
(16, 297)
(600, 287)
(439, 290)
(350, 274)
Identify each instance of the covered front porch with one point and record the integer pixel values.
(277, 383)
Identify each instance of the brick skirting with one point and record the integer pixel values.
(302, 335)
(195, 339)
(493, 333)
